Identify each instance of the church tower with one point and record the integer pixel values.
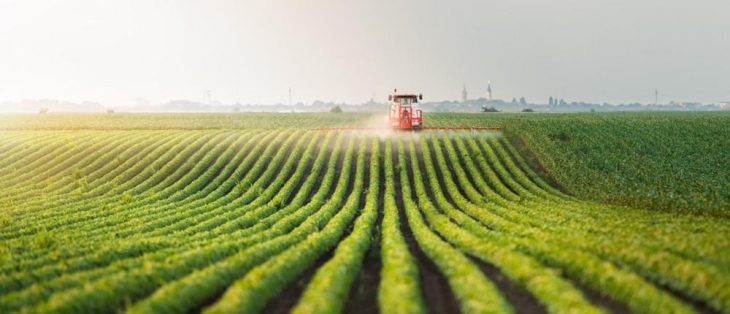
(489, 91)
(463, 94)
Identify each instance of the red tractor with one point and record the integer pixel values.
(405, 114)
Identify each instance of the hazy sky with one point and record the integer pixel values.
(252, 51)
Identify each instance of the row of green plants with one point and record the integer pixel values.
(475, 293)
(329, 288)
(554, 293)
(607, 237)
(153, 174)
(181, 121)
(87, 218)
(399, 290)
(26, 260)
(225, 221)
(83, 261)
(256, 288)
(672, 161)
(180, 262)
(588, 269)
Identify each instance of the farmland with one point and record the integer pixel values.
(664, 161)
(258, 213)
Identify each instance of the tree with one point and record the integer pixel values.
(523, 101)
(489, 109)
(528, 110)
(336, 109)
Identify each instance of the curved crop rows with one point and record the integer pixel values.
(270, 219)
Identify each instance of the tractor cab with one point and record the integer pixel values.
(405, 113)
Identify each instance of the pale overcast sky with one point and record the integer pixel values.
(252, 51)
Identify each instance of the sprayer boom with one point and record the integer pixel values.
(426, 128)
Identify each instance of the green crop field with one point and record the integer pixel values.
(247, 213)
(676, 161)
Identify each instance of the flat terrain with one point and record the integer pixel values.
(677, 161)
(258, 213)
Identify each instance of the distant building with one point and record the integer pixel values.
(724, 105)
(489, 91)
(463, 94)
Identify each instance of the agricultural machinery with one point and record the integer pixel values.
(405, 113)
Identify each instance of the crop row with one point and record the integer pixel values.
(224, 221)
